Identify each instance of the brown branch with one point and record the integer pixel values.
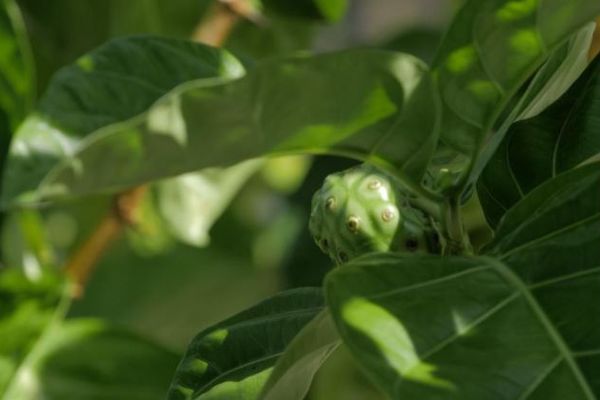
(595, 47)
(121, 215)
(223, 15)
(213, 29)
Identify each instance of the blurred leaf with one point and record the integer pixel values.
(28, 307)
(535, 150)
(462, 328)
(292, 376)
(62, 30)
(420, 42)
(16, 74)
(149, 236)
(86, 359)
(489, 52)
(340, 378)
(25, 243)
(233, 359)
(16, 69)
(277, 36)
(329, 10)
(105, 87)
(188, 130)
(286, 174)
(191, 203)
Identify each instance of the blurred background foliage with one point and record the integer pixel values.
(155, 285)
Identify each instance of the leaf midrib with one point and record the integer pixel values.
(537, 310)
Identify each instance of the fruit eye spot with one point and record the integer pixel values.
(374, 184)
(388, 214)
(324, 244)
(330, 203)
(343, 257)
(353, 224)
(412, 244)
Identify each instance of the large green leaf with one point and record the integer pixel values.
(86, 359)
(535, 150)
(297, 366)
(16, 74)
(233, 359)
(28, 306)
(489, 52)
(114, 83)
(300, 104)
(525, 325)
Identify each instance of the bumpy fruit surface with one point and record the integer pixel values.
(362, 210)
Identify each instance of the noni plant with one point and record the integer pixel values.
(466, 243)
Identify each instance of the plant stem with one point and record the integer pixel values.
(121, 215)
(457, 240)
(213, 30)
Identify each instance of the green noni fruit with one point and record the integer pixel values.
(362, 210)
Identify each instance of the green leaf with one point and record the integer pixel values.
(28, 306)
(233, 359)
(191, 203)
(453, 328)
(297, 366)
(491, 49)
(16, 74)
(558, 73)
(328, 10)
(114, 83)
(86, 359)
(300, 104)
(525, 325)
(535, 150)
(418, 41)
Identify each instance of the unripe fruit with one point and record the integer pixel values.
(363, 210)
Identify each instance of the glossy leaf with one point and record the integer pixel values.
(86, 359)
(489, 52)
(386, 116)
(297, 366)
(535, 150)
(453, 328)
(233, 359)
(28, 306)
(550, 239)
(524, 325)
(114, 83)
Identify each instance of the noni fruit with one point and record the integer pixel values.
(362, 210)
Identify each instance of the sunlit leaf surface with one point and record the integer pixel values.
(233, 359)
